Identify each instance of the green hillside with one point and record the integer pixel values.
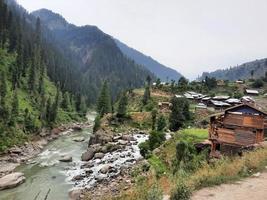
(29, 100)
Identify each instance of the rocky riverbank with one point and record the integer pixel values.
(16, 155)
(107, 163)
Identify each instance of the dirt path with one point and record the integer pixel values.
(250, 188)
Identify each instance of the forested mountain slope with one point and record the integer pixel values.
(161, 71)
(254, 69)
(30, 98)
(100, 58)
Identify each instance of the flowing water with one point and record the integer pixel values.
(45, 175)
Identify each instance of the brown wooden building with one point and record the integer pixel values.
(239, 127)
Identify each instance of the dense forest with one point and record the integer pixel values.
(94, 54)
(34, 92)
(250, 70)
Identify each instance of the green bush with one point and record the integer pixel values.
(181, 192)
(149, 106)
(161, 123)
(97, 123)
(156, 138)
(155, 193)
(187, 157)
(144, 149)
(157, 165)
(257, 83)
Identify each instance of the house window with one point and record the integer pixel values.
(217, 147)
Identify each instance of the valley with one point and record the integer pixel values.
(84, 116)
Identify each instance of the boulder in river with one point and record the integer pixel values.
(88, 155)
(123, 142)
(105, 169)
(79, 139)
(75, 194)
(99, 155)
(128, 138)
(55, 131)
(65, 159)
(101, 137)
(77, 128)
(11, 180)
(15, 150)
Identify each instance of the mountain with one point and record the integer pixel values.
(259, 68)
(161, 71)
(37, 85)
(96, 56)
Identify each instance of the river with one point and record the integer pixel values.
(45, 174)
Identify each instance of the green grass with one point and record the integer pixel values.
(199, 134)
(157, 164)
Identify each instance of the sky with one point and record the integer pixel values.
(191, 36)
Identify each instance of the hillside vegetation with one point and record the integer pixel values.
(95, 54)
(173, 165)
(254, 69)
(29, 99)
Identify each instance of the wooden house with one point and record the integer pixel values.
(238, 128)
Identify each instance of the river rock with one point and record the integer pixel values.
(11, 180)
(87, 165)
(15, 150)
(123, 142)
(105, 169)
(78, 177)
(65, 159)
(77, 128)
(128, 138)
(99, 155)
(55, 131)
(75, 194)
(88, 155)
(79, 139)
(7, 167)
(101, 137)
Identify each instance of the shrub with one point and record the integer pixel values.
(144, 149)
(157, 165)
(257, 83)
(187, 157)
(155, 193)
(97, 123)
(161, 123)
(156, 139)
(181, 192)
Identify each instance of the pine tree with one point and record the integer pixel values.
(66, 102)
(104, 100)
(146, 96)
(32, 78)
(148, 80)
(41, 87)
(97, 123)
(154, 118)
(54, 108)
(4, 113)
(179, 113)
(161, 123)
(48, 110)
(15, 108)
(83, 107)
(122, 108)
(43, 107)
